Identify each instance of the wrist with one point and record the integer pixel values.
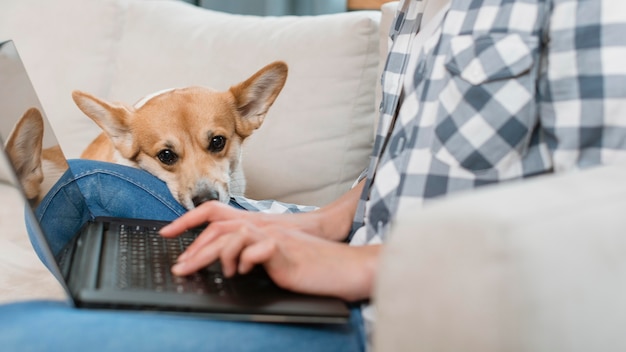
(336, 218)
(332, 224)
(362, 276)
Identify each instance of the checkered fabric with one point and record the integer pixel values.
(504, 89)
(270, 206)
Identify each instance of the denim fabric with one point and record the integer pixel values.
(55, 326)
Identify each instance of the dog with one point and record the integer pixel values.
(37, 168)
(190, 138)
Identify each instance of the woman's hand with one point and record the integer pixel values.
(294, 259)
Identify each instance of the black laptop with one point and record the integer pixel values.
(114, 263)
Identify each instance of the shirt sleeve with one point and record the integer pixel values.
(270, 206)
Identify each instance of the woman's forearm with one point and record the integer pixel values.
(336, 218)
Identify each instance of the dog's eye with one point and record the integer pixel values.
(167, 157)
(217, 143)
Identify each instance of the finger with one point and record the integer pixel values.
(233, 247)
(257, 253)
(213, 231)
(207, 212)
(190, 219)
(207, 255)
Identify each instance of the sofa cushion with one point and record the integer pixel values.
(318, 135)
(65, 44)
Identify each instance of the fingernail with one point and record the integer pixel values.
(177, 268)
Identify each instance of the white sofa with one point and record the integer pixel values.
(529, 266)
(314, 143)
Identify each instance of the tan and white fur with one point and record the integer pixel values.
(37, 169)
(190, 138)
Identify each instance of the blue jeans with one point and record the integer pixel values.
(115, 190)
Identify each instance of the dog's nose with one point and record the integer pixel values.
(205, 197)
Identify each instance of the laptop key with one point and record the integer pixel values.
(145, 259)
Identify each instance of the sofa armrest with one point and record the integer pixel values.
(538, 265)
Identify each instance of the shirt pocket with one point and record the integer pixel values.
(487, 100)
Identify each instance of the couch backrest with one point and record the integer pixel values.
(318, 135)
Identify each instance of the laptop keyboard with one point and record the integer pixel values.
(146, 259)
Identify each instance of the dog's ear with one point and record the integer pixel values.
(24, 146)
(254, 96)
(112, 118)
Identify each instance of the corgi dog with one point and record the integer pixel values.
(190, 138)
(37, 168)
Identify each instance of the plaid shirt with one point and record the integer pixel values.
(503, 90)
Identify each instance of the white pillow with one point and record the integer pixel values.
(318, 135)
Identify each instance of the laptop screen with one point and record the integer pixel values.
(32, 160)
(23, 119)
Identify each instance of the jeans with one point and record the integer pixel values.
(115, 190)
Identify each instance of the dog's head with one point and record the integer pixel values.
(191, 137)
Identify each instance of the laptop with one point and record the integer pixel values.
(119, 263)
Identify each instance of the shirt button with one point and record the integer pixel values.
(399, 146)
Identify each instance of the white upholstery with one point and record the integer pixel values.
(65, 45)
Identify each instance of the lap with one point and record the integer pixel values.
(47, 325)
(102, 189)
